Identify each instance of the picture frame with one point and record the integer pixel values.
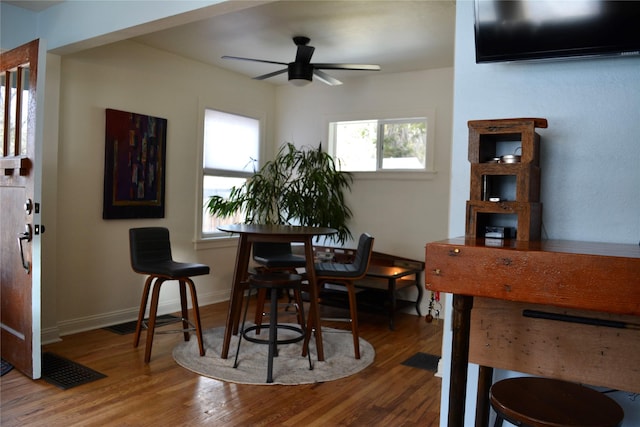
(134, 165)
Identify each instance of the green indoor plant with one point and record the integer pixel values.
(300, 186)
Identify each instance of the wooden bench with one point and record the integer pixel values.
(387, 274)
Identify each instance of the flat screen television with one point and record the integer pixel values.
(515, 30)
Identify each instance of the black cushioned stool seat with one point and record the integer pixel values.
(545, 402)
(274, 282)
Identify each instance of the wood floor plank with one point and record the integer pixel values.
(163, 393)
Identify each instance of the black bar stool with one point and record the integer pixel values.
(274, 282)
(545, 402)
(150, 251)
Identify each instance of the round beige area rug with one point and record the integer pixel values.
(288, 368)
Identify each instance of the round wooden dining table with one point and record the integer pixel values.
(250, 233)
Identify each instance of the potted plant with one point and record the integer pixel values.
(299, 186)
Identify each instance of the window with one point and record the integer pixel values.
(230, 156)
(374, 145)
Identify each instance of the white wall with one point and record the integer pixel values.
(590, 154)
(402, 214)
(94, 283)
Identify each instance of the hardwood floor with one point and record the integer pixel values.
(162, 393)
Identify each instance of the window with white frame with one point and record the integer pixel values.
(376, 145)
(230, 157)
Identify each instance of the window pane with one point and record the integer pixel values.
(231, 142)
(355, 144)
(218, 186)
(404, 145)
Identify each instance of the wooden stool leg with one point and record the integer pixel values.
(184, 309)
(143, 308)
(498, 422)
(353, 308)
(155, 296)
(196, 315)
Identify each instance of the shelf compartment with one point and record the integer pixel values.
(486, 137)
(525, 217)
(526, 179)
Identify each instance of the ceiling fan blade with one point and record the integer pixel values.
(304, 53)
(253, 60)
(266, 76)
(326, 78)
(365, 67)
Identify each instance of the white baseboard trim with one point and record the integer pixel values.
(88, 323)
(439, 372)
(50, 335)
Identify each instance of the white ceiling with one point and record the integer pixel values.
(397, 35)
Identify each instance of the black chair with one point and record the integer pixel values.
(150, 250)
(346, 275)
(546, 402)
(276, 257)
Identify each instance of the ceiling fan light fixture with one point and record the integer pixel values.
(299, 82)
(300, 74)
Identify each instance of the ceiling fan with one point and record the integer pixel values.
(301, 71)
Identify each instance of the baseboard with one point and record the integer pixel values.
(439, 372)
(88, 323)
(50, 335)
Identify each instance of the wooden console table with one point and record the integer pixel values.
(594, 288)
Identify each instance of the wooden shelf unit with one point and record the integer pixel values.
(516, 185)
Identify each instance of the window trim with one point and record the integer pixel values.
(219, 240)
(427, 173)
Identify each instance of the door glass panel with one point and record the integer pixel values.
(3, 91)
(13, 111)
(24, 111)
(15, 129)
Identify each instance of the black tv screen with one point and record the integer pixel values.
(516, 30)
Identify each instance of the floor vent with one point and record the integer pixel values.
(64, 373)
(130, 327)
(425, 361)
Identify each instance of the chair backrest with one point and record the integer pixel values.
(148, 246)
(267, 249)
(363, 254)
(277, 255)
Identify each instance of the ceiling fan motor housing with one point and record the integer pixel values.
(299, 70)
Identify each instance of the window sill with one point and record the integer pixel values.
(395, 175)
(216, 242)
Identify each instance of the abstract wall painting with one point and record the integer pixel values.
(134, 167)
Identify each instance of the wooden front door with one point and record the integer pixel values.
(20, 211)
